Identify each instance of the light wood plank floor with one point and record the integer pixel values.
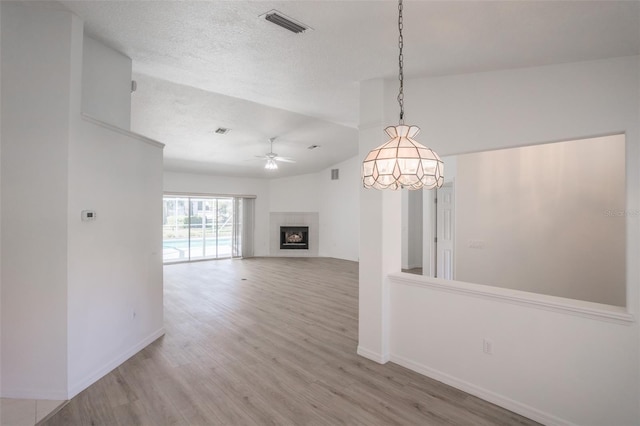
(268, 341)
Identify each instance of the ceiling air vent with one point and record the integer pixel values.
(222, 131)
(285, 22)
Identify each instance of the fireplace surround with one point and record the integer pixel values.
(309, 220)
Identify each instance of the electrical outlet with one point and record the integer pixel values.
(476, 244)
(487, 346)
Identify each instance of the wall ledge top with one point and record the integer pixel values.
(596, 311)
(125, 132)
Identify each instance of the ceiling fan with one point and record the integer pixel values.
(272, 158)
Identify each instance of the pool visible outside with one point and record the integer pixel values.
(178, 249)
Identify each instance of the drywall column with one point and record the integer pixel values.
(114, 267)
(380, 234)
(0, 205)
(36, 50)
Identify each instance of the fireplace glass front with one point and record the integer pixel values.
(294, 237)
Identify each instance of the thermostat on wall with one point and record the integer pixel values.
(88, 215)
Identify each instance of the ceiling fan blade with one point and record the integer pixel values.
(285, 159)
(271, 157)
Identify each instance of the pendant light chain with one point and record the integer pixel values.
(401, 63)
(402, 162)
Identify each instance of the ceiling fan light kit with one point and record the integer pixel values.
(272, 158)
(402, 162)
(271, 164)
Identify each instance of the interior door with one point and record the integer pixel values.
(445, 232)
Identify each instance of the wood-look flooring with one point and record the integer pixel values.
(268, 341)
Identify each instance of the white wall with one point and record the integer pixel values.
(115, 299)
(540, 213)
(106, 84)
(294, 194)
(115, 288)
(71, 285)
(35, 135)
(339, 210)
(0, 205)
(554, 365)
(294, 201)
(380, 232)
(335, 201)
(221, 185)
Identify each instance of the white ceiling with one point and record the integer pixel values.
(186, 118)
(205, 64)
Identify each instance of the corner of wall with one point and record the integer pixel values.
(380, 358)
(0, 200)
(36, 44)
(79, 385)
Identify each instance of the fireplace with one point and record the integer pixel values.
(294, 237)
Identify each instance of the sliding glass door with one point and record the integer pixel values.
(175, 232)
(196, 228)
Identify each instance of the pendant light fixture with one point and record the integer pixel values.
(402, 162)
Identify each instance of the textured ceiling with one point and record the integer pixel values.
(170, 111)
(210, 48)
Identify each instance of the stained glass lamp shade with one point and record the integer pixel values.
(402, 162)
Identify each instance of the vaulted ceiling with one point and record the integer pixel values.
(201, 65)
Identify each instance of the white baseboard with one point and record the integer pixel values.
(373, 356)
(90, 379)
(53, 395)
(500, 400)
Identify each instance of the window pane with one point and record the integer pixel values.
(225, 226)
(175, 229)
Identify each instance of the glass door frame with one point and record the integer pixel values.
(235, 221)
